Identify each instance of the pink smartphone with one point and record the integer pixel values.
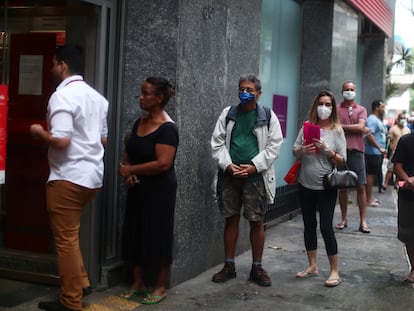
(401, 183)
(310, 132)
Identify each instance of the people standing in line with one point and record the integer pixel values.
(245, 143)
(76, 135)
(148, 170)
(394, 134)
(353, 119)
(403, 160)
(317, 159)
(374, 148)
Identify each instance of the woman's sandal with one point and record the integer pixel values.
(130, 294)
(306, 274)
(333, 282)
(375, 203)
(153, 299)
(341, 225)
(409, 279)
(364, 229)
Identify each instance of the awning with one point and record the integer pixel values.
(378, 12)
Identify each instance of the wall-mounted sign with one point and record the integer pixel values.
(280, 105)
(30, 74)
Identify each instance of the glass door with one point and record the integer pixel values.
(31, 29)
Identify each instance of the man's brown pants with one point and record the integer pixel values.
(65, 201)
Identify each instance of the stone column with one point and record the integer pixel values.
(373, 73)
(316, 52)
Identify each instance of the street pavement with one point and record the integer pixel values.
(373, 267)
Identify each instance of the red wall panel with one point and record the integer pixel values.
(378, 12)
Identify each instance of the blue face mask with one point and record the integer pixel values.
(246, 98)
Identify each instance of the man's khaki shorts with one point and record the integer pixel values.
(236, 193)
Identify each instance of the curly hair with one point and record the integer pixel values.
(162, 86)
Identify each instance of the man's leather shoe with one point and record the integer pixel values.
(259, 276)
(55, 305)
(228, 272)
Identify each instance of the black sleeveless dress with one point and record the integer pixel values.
(149, 215)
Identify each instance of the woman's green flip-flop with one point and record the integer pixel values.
(130, 294)
(153, 299)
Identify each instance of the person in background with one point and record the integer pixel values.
(410, 122)
(76, 135)
(148, 170)
(403, 160)
(353, 119)
(394, 134)
(317, 159)
(385, 159)
(374, 148)
(380, 172)
(245, 143)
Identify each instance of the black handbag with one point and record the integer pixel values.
(340, 179)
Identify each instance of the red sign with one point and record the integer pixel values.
(3, 132)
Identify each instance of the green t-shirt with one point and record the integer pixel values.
(244, 147)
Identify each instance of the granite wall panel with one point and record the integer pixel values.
(202, 47)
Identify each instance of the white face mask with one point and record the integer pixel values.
(349, 95)
(403, 122)
(324, 112)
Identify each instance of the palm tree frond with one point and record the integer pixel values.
(390, 89)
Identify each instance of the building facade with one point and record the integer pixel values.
(296, 47)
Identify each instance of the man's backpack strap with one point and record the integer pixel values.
(268, 115)
(232, 114)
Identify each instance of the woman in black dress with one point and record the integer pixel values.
(148, 170)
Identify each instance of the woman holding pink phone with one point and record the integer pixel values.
(318, 153)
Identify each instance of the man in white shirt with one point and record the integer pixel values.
(76, 135)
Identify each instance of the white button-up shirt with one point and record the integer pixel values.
(77, 111)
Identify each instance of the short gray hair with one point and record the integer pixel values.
(251, 78)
